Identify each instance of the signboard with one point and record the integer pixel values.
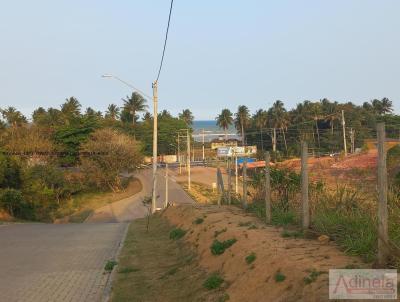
(223, 144)
(236, 151)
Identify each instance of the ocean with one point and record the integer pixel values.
(211, 130)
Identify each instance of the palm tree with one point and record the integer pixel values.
(224, 120)
(112, 112)
(316, 113)
(71, 108)
(261, 119)
(134, 104)
(242, 119)
(13, 117)
(330, 111)
(187, 117)
(278, 118)
(383, 106)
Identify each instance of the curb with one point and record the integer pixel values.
(106, 297)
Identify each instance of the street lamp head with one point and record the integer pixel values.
(107, 75)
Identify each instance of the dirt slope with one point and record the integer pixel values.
(295, 259)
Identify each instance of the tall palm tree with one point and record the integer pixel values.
(278, 118)
(242, 120)
(316, 113)
(112, 112)
(261, 118)
(13, 117)
(187, 116)
(134, 104)
(71, 108)
(382, 107)
(330, 111)
(224, 120)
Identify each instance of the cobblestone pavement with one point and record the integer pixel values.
(47, 262)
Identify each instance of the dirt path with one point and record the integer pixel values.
(302, 263)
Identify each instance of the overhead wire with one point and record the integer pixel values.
(165, 40)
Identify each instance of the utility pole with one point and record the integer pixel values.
(244, 174)
(166, 185)
(236, 175)
(267, 189)
(155, 125)
(179, 155)
(229, 180)
(203, 145)
(188, 158)
(344, 134)
(352, 149)
(383, 237)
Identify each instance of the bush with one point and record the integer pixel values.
(176, 234)
(12, 201)
(198, 221)
(250, 258)
(219, 247)
(214, 281)
(279, 277)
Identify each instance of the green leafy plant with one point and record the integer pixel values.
(250, 258)
(214, 281)
(219, 247)
(312, 276)
(198, 220)
(177, 233)
(279, 277)
(110, 265)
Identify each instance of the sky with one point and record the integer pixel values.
(220, 54)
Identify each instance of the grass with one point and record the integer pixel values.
(176, 234)
(110, 265)
(214, 281)
(279, 277)
(312, 276)
(250, 258)
(219, 247)
(216, 233)
(152, 267)
(292, 234)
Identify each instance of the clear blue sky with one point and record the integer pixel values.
(220, 53)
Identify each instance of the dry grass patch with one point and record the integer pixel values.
(154, 267)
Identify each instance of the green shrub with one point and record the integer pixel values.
(213, 281)
(312, 276)
(292, 234)
(198, 220)
(279, 277)
(250, 258)
(177, 233)
(219, 247)
(110, 265)
(12, 201)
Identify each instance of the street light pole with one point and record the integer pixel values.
(155, 125)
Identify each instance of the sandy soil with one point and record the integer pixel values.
(294, 258)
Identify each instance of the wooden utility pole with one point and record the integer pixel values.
(267, 189)
(179, 155)
(203, 146)
(344, 134)
(304, 185)
(236, 176)
(229, 180)
(244, 183)
(155, 125)
(188, 159)
(383, 237)
(166, 185)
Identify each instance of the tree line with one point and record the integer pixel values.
(62, 152)
(318, 122)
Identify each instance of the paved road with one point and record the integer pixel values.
(65, 262)
(132, 207)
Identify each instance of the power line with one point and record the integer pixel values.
(165, 41)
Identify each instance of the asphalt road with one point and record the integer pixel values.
(65, 262)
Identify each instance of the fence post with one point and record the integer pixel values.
(244, 183)
(304, 185)
(267, 189)
(383, 237)
(166, 185)
(229, 180)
